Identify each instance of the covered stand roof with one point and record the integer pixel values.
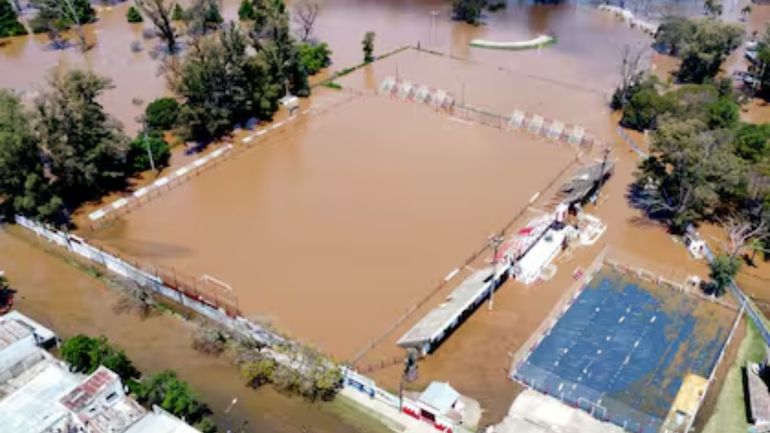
(442, 317)
(439, 395)
(583, 182)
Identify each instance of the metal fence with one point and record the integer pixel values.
(216, 304)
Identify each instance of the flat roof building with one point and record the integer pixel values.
(39, 394)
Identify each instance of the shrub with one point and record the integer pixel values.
(162, 114)
(133, 15)
(314, 57)
(173, 395)
(258, 372)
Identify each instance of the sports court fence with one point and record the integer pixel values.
(583, 397)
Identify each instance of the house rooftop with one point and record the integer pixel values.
(440, 395)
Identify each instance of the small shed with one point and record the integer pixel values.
(439, 399)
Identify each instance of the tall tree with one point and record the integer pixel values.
(468, 10)
(202, 16)
(689, 172)
(159, 12)
(222, 85)
(9, 23)
(24, 188)
(367, 45)
(86, 147)
(305, 14)
(701, 44)
(246, 11)
(276, 47)
(57, 15)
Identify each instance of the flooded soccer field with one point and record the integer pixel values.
(336, 225)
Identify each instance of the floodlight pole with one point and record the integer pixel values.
(147, 145)
(494, 241)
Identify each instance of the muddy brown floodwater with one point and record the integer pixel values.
(339, 222)
(71, 302)
(343, 220)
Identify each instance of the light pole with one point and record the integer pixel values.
(146, 144)
(494, 241)
(433, 15)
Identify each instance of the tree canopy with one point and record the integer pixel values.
(85, 354)
(702, 44)
(173, 395)
(9, 23)
(86, 148)
(469, 11)
(24, 188)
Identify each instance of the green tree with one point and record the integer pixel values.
(751, 141)
(722, 271)
(159, 12)
(178, 13)
(139, 159)
(203, 16)
(85, 354)
(368, 46)
(701, 44)
(221, 85)
(644, 105)
(708, 48)
(173, 395)
(23, 183)
(713, 8)
(314, 57)
(162, 114)
(277, 49)
(9, 23)
(468, 10)
(86, 148)
(57, 15)
(689, 174)
(133, 15)
(246, 10)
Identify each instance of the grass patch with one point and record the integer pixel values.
(333, 85)
(363, 419)
(730, 412)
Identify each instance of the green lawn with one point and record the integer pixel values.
(730, 413)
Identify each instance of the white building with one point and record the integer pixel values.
(38, 393)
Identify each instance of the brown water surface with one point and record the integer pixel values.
(70, 302)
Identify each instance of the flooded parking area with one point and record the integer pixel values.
(335, 225)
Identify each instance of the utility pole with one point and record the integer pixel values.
(494, 241)
(433, 15)
(146, 144)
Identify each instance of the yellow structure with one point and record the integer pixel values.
(686, 404)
